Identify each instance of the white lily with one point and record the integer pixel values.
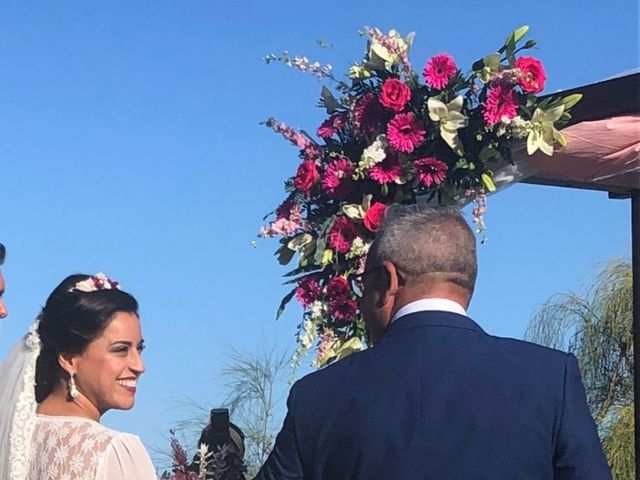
(389, 56)
(450, 119)
(543, 134)
(359, 72)
(373, 154)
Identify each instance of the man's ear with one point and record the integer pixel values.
(67, 362)
(389, 283)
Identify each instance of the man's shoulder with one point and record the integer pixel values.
(337, 372)
(526, 355)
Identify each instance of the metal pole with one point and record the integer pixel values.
(635, 268)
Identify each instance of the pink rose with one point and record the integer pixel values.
(394, 94)
(306, 176)
(374, 216)
(533, 74)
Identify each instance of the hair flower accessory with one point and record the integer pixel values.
(391, 136)
(95, 283)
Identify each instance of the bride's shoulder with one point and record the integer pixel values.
(90, 447)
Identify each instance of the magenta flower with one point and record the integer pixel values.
(439, 70)
(405, 133)
(337, 178)
(368, 113)
(533, 74)
(338, 289)
(501, 102)
(394, 94)
(342, 234)
(387, 171)
(430, 171)
(343, 309)
(308, 291)
(332, 125)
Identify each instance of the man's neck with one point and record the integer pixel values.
(444, 291)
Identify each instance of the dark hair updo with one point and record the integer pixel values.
(69, 322)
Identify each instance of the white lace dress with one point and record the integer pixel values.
(74, 448)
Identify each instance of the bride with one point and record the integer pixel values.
(80, 358)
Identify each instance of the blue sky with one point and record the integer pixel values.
(130, 144)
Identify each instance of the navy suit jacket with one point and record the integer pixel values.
(438, 398)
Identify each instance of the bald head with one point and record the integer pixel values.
(434, 242)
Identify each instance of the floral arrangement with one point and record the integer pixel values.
(395, 135)
(97, 282)
(220, 464)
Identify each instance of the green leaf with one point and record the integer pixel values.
(566, 116)
(462, 164)
(477, 65)
(329, 101)
(284, 302)
(519, 33)
(321, 245)
(515, 36)
(570, 100)
(530, 44)
(486, 179)
(284, 254)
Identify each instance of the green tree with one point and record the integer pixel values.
(256, 385)
(597, 328)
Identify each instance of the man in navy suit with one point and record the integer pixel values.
(436, 397)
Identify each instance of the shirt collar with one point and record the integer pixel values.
(426, 304)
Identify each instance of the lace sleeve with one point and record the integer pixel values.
(126, 458)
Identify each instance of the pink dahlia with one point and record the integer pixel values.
(532, 72)
(332, 125)
(387, 171)
(501, 102)
(368, 113)
(343, 310)
(394, 94)
(439, 70)
(338, 177)
(405, 132)
(308, 291)
(338, 289)
(342, 234)
(430, 171)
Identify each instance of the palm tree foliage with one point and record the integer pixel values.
(597, 328)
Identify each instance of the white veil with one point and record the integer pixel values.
(18, 406)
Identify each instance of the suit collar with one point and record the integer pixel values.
(432, 318)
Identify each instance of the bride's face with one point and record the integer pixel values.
(107, 372)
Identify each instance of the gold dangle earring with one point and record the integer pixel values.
(73, 390)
